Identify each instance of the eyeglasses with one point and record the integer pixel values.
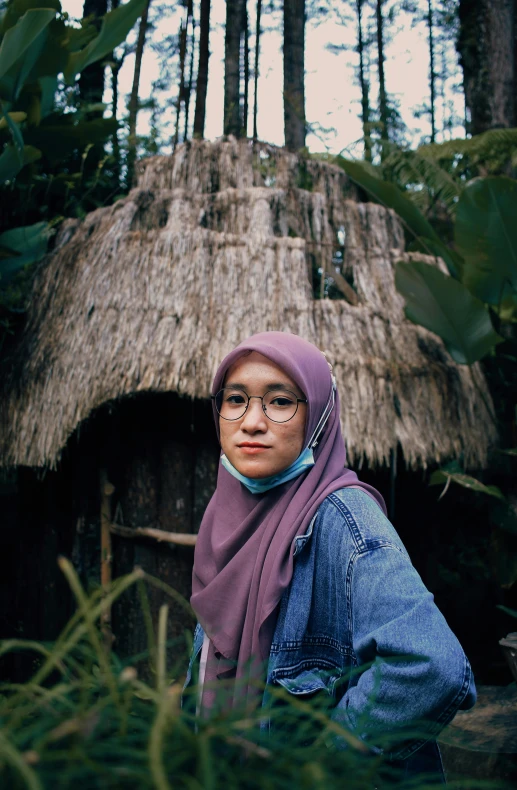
(277, 405)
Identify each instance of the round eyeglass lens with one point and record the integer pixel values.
(280, 405)
(231, 404)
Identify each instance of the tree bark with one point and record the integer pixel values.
(383, 99)
(133, 100)
(256, 69)
(363, 82)
(246, 69)
(181, 87)
(91, 81)
(487, 48)
(115, 68)
(202, 69)
(188, 87)
(294, 74)
(232, 73)
(432, 73)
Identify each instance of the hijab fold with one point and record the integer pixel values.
(243, 559)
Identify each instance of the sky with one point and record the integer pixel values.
(332, 92)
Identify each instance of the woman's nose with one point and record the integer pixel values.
(254, 418)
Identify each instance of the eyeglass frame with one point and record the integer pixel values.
(261, 398)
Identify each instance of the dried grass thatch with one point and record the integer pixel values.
(213, 245)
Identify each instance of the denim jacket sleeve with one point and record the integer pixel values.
(417, 671)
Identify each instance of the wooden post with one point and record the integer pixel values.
(107, 490)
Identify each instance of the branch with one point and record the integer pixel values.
(161, 535)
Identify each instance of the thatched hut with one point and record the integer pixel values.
(137, 304)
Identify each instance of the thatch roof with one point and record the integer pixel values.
(213, 245)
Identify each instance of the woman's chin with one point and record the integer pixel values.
(255, 471)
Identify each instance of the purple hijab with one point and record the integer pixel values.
(243, 560)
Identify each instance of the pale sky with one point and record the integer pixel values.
(332, 95)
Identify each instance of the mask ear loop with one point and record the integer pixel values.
(313, 441)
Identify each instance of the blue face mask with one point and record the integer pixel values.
(304, 461)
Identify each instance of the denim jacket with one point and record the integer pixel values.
(356, 600)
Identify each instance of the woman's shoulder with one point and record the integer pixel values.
(355, 511)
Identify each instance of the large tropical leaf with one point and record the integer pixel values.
(446, 307)
(486, 236)
(389, 195)
(453, 261)
(11, 162)
(30, 245)
(22, 44)
(115, 27)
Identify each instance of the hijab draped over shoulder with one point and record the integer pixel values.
(243, 560)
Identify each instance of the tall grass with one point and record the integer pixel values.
(87, 720)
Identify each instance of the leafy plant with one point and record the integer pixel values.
(469, 307)
(85, 718)
(43, 148)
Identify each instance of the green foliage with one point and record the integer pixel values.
(446, 307)
(20, 247)
(43, 149)
(483, 154)
(485, 235)
(388, 195)
(115, 27)
(85, 718)
(467, 481)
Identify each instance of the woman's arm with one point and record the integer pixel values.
(419, 675)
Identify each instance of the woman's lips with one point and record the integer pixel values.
(252, 449)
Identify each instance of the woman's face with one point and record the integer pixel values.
(256, 446)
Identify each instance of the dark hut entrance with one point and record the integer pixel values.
(160, 454)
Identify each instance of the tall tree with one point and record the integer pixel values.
(363, 82)
(232, 69)
(294, 74)
(432, 71)
(202, 69)
(383, 97)
(246, 69)
(91, 81)
(133, 99)
(488, 55)
(188, 85)
(256, 68)
(183, 39)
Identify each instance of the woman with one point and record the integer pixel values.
(298, 574)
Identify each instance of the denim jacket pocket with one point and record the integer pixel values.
(307, 678)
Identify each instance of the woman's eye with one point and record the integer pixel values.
(235, 400)
(282, 402)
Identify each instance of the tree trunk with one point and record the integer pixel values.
(91, 81)
(432, 74)
(133, 100)
(246, 69)
(383, 99)
(188, 87)
(294, 74)
(115, 68)
(365, 98)
(202, 69)
(256, 69)
(181, 87)
(232, 73)
(487, 50)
